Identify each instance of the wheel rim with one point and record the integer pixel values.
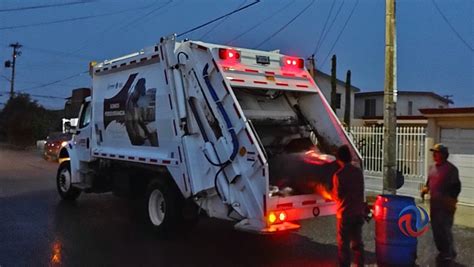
(156, 207)
(64, 180)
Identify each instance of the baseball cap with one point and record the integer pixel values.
(440, 148)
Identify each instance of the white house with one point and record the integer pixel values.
(369, 106)
(323, 81)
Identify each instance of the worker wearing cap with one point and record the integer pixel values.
(444, 186)
(348, 192)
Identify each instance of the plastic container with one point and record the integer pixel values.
(392, 247)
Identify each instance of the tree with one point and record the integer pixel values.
(23, 121)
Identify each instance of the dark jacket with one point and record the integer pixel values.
(444, 186)
(348, 191)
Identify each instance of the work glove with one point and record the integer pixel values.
(423, 192)
(367, 212)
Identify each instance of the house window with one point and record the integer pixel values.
(338, 100)
(369, 109)
(410, 108)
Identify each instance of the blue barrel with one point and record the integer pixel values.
(392, 247)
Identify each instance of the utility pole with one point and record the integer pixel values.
(312, 67)
(333, 83)
(11, 64)
(347, 106)
(390, 101)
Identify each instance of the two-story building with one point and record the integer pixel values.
(370, 106)
(323, 81)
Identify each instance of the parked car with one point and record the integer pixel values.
(54, 143)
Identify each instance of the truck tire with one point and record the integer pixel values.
(163, 206)
(63, 183)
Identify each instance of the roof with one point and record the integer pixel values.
(422, 93)
(341, 83)
(406, 117)
(437, 111)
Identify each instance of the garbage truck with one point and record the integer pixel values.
(238, 134)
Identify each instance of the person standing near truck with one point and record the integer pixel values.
(444, 186)
(348, 192)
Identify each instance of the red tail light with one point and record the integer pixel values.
(229, 54)
(293, 62)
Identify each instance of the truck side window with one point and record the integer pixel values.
(85, 116)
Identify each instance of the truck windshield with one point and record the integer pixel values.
(85, 115)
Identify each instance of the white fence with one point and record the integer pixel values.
(410, 150)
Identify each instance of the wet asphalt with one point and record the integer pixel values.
(38, 229)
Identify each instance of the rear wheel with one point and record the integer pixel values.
(163, 206)
(64, 183)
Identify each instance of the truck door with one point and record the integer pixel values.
(82, 138)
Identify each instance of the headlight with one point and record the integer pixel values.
(64, 143)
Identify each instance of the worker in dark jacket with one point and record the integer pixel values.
(444, 186)
(348, 192)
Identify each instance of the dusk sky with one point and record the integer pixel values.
(435, 39)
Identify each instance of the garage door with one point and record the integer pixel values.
(461, 149)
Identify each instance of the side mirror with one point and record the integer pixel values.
(67, 126)
(73, 129)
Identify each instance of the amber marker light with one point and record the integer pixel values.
(272, 218)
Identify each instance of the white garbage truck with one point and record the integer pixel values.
(239, 134)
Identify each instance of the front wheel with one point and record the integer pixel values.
(64, 183)
(163, 206)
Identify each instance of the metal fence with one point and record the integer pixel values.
(410, 149)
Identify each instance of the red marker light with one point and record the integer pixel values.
(228, 54)
(293, 62)
(377, 211)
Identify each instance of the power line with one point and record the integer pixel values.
(219, 18)
(64, 20)
(256, 25)
(286, 25)
(56, 52)
(55, 82)
(35, 95)
(48, 96)
(340, 33)
(45, 6)
(146, 15)
(330, 26)
(40, 83)
(324, 27)
(220, 22)
(451, 26)
(89, 40)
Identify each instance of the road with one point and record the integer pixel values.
(37, 229)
